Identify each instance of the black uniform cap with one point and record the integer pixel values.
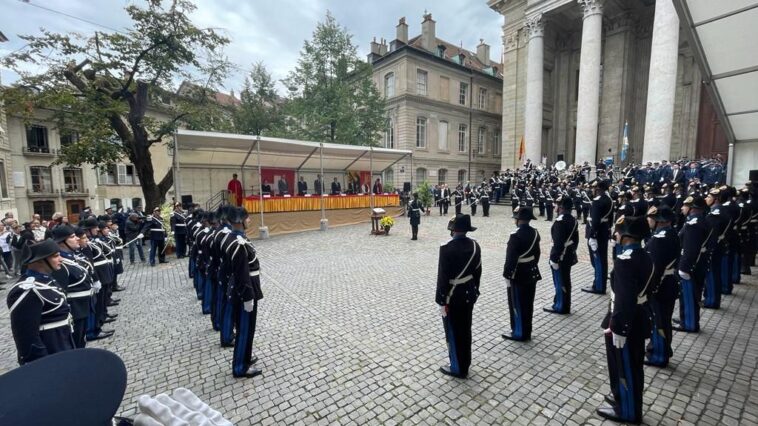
(695, 201)
(38, 251)
(661, 214)
(524, 213)
(460, 223)
(632, 226)
(565, 202)
(61, 232)
(89, 223)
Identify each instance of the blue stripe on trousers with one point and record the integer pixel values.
(726, 285)
(207, 295)
(558, 305)
(451, 348)
(238, 363)
(227, 326)
(518, 331)
(625, 356)
(687, 298)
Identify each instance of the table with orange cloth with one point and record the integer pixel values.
(332, 202)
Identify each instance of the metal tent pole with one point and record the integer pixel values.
(371, 177)
(324, 220)
(263, 229)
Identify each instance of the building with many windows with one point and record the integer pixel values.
(443, 102)
(7, 201)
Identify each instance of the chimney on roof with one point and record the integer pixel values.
(383, 47)
(402, 31)
(374, 47)
(231, 93)
(483, 52)
(428, 36)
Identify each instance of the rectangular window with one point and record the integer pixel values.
(463, 93)
(420, 175)
(461, 176)
(3, 181)
(44, 209)
(445, 89)
(482, 98)
(131, 175)
(36, 139)
(442, 176)
(108, 175)
(496, 142)
(422, 78)
(73, 180)
(389, 85)
(481, 138)
(421, 132)
(68, 137)
(389, 136)
(42, 179)
(442, 136)
(462, 136)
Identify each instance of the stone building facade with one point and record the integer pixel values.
(443, 103)
(7, 200)
(575, 71)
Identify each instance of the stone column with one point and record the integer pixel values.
(661, 92)
(589, 81)
(535, 69)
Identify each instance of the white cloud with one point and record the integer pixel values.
(271, 31)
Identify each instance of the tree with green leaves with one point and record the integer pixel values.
(332, 96)
(260, 108)
(103, 85)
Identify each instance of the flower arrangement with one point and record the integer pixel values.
(166, 210)
(387, 222)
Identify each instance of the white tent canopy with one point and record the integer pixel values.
(724, 35)
(225, 149)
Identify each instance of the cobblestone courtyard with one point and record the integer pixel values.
(348, 333)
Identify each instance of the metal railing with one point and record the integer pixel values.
(38, 150)
(217, 200)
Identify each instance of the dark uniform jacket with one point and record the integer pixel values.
(663, 248)
(75, 278)
(458, 272)
(719, 221)
(565, 235)
(153, 229)
(633, 276)
(694, 238)
(35, 302)
(415, 207)
(103, 265)
(522, 256)
(245, 281)
(178, 223)
(601, 211)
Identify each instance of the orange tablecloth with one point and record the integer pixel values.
(331, 202)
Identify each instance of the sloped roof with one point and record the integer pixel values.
(451, 51)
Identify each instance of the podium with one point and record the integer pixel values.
(376, 215)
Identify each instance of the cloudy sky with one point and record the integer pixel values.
(271, 31)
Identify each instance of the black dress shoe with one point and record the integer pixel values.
(610, 399)
(507, 336)
(254, 360)
(112, 315)
(163, 261)
(553, 311)
(109, 320)
(652, 364)
(119, 288)
(446, 371)
(102, 335)
(112, 304)
(682, 329)
(592, 290)
(676, 321)
(610, 414)
(252, 372)
(115, 301)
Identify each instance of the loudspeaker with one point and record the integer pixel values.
(406, 187)
(186, 201)
(754, 176)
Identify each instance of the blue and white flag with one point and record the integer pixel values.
(625, 144)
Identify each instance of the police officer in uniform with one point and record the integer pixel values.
(717, 277)
(521, 274)
(39, 313)
(693, 263)
(458, 274)
(458, 197)
(663, 248)
(484, 198)
(75, 279)
(153, 228)
(244, 292)
(415, 207)
(565, 235)
(179, 228)
(598, 232)
(218, 271)
(626, 326)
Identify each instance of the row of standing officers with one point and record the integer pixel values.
(659, 257)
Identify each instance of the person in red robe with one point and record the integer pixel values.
(235, 191)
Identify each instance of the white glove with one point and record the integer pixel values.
(249, 305)
(593, 244)
(612, 243)
(618, 341)
(684, 275)
(554, 265)
(140, 236)
(507, 283)
(443, 311)
(97, 286)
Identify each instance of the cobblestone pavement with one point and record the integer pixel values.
(348, 333)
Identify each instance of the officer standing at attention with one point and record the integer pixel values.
(626, 326)
(598, 233)
(244, 294)
(484, 198)
(39, 314)
(521, 274)
(663, 248)
(179, 228)
(565, 235)
(693, 263)
(717, 278)
(458, 198)
(414, 214)
(458, 273)
(76, 281)
(154, 230)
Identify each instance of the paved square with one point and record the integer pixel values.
(348, 333)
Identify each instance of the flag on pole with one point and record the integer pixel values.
(625, 143)
(521, 149)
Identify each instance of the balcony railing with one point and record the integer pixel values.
(39, 150)
(74, 190)
(41, 191)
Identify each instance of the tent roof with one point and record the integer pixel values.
(724, 34)
(211, 149)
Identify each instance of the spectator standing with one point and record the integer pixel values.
(133, 227)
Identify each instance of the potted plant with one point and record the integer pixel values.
(424, 190)
(166, 210)
(387, 222)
